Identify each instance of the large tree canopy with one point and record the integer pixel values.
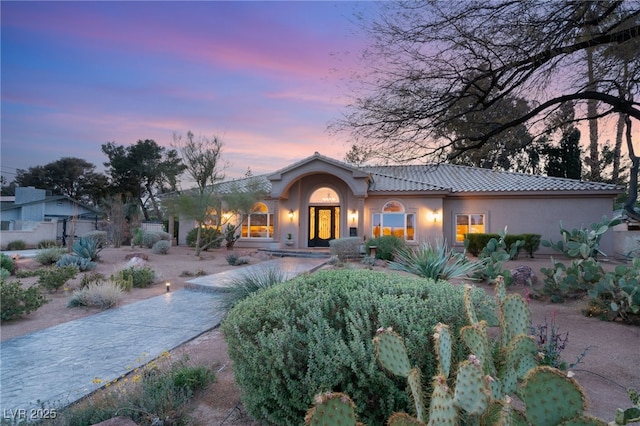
(143, 170)
(73, 177)
(436, 64)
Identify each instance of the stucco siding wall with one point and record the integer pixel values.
(427, 211)
(533, 215)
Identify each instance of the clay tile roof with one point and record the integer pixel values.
(460, 179)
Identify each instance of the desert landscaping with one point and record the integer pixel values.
(611, 350)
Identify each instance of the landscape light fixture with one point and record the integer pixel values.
(168, 286)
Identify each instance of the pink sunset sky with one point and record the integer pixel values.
(266, 77)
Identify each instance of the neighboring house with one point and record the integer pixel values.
(319, 199)
(33, 216)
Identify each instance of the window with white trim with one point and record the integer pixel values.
(258, 223)
(393, 220)
(469, 224)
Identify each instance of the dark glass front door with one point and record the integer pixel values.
(323, 225)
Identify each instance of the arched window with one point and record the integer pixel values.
(258, 223)
(393, 220)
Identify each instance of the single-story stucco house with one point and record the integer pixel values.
(319, 199)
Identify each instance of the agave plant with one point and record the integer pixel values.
(434, 260)
(87, 247)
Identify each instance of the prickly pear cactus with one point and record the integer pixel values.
(501, 289)
(415, 384)
(521, 355)
(442, 412)
(391, 352)
(476, 339)
(442, 339)
(550, 397)
(516, 318)
(502, 413)
(331, 409)
(468, 305)
(472, 391)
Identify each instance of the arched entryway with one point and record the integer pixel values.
(324, 217)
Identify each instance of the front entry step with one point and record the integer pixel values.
(316, 253)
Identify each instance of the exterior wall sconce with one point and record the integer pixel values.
(291, 214)
(435, 215)
(354, 215)
(168, 286)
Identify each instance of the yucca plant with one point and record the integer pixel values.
(434, 260)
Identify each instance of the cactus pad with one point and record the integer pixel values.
(550, 397)
(521, 354)
(442, 339)
(500, 290)
(472, 392)
(441, 410)
(331, 409)
(516, 318)
(472, 317)
(391, 353)
(476, 339)
(416, 392)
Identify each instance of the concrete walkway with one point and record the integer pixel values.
(60, 365)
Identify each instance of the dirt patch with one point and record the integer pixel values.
(609, 366)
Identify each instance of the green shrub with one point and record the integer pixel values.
(17, 245)
(103, 295)
(101, 236)
(434, 261)
(149, 238)
(192, 379)
(53, 278)
(386, 246)
(7, 263)
(49, 256)
(235, 260)
(164, 236)
(313, 334)
(27, 273)
(18, 301)
(137, 237)
(346, 248)
(160, 390)
(209, 238)
(531, 243)
(161, 247)
(81, 263)
(250, 282)
(474, 243)
(45, 244)
(88, 247)
(141, 277)
(4, 274)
